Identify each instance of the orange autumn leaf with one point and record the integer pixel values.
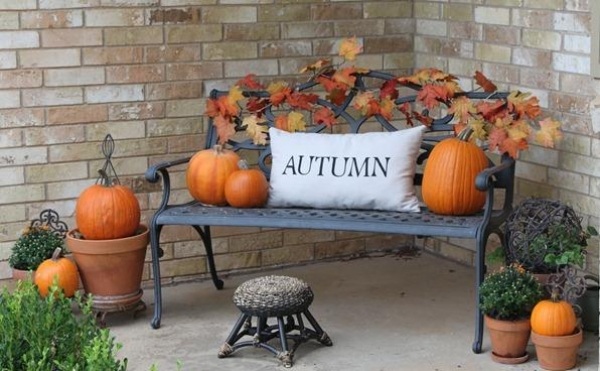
(388, 90)
(337, 96)
(523, 104)
(484, 82)
(549, 132)
(225, 129)
(301, 100)
(491, 110)
(496, 137)
(249, 81)
(324, 116)
(281, 122)
(350, 48)
(386, 108)
(429, 95)
(344, 76)
(212, 108)
(319, 65)
(279, 92)
(228, 106)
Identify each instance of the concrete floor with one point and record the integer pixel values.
(383, 313)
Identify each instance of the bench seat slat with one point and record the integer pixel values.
(424, 223)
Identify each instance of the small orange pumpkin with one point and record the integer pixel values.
(60, 267)
(107, 211)
(449, 177)
(207, 173)
(246, 187)
(553, 317)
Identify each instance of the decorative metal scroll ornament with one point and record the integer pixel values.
(50, 218)
(567, 285)
(108, 170)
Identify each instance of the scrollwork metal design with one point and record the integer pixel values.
(50, 218)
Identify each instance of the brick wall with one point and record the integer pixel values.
(72, 71)
(542, 46)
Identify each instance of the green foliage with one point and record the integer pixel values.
(35, 245)
(39, 334)
(509, 294)
(561, 245)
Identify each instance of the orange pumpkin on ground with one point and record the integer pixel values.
(246, 187)
(106, 211)
(63, 269)
(207, 173)
(553, 317)
(449, 177)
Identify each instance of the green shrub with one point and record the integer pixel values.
(35, 245)
(509, 294)
(47, 335)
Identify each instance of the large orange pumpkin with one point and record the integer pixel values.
(105, 211)
(553, 317)
(449, 177)
(65, 271)
(207, 173)
(246, 187)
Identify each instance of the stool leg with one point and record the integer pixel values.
(227, 347)
(323, 337)
(285, 355)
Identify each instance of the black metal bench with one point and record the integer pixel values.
(478, 227)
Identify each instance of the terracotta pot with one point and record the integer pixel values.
(509, 339)
(111, 270)
(557, 352)
(22, 275)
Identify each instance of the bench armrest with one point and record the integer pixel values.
(161, 171)
(499, 176)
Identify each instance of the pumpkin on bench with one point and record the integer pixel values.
(346, 150)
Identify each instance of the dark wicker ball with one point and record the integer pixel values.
(530, 219)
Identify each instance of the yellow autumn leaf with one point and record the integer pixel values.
(518, 130)
(255, 130)
(235, 94)
(549, 133)
(362, 99)
(276, 87)
(478, 127)
(295, 122)
(349, 48)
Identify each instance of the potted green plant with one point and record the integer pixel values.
(34, 245)
(506, 298)
(543, 235)
(45, 333)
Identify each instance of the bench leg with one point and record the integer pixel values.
(480, 269)
(156, 254)
(205, 236)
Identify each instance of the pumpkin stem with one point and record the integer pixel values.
(218, 148)
(243, 164)
(56, 254)
(555, 295)
(104, 178)
(465, 134)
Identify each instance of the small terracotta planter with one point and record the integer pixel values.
(22, 275)
(509, 340)
(557, 352)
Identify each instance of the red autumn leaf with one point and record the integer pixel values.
(324, 116)
(425, 120)
(225, 129)
(249, 81)
(491, 110)
(429, 95)
(388, 90)
(256, 105)
(328, 84)
(301, 100)
(523, 104)
(484, 82)
(404, 108)
(337, 96)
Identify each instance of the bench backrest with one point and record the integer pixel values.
(441, 127)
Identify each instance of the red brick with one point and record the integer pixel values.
(135, 74)
(77, 114)
(174, 90)
(20, 79)
(196, 71)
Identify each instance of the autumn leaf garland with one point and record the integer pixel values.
(506, 125)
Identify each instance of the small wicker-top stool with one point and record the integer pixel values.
(285, 298)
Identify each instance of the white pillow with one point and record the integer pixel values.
(320, 170)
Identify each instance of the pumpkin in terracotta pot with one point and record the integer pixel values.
(553, 317)
(107, 211)
(207, 173)
(59, 268)
(246, 187)
(449, 177)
